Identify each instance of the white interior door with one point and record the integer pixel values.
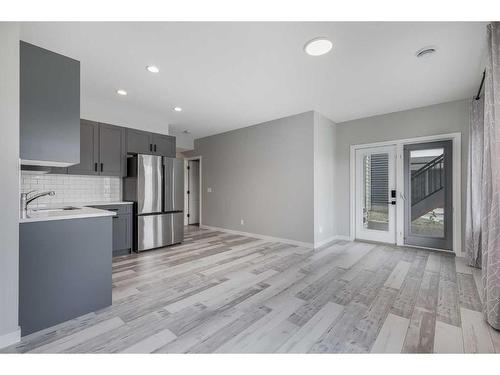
(375, 186)
(194, 192)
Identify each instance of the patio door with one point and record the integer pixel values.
(375, 203)
(428, 195)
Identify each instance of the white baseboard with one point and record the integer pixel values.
(331, 239)
(10, 338)
(343, 238)
(261, 236)
(324, 242)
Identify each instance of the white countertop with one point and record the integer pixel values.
(99, 203)
(49, 214)
(83, 211)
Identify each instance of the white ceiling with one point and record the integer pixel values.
(231, 75)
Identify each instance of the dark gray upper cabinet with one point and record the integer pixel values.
(49, 107)
(163, 145)
(89, 149)
(139, 142)
(112, 157)
(102, 150)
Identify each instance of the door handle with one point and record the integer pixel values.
(155, 148)
(95, 167)
(102, 165)
(150, 147)
(392, 202)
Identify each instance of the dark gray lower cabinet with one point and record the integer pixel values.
(122, 230)
(122, 227)
(64, 270)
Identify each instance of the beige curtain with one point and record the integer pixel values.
(490, 194)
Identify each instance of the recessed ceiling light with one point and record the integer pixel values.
(177, 109)
(425, 52)
(152, 69)
(318, 46)
(121, 92)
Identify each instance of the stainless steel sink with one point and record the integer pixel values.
(67, 208)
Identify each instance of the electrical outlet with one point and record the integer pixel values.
(209, 190)
(320, 229)
(242, 222)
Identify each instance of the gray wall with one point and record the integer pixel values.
(9, 170)
(262, 174)
(437, 119)
(324, 179)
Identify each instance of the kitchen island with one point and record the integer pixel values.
(64, 265)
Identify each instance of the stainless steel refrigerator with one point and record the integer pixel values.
(156, 186)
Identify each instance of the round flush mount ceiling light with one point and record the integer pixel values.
(318, 46)
(187, 132)
(425, 52)
(152, 69)
(177, 109)
(121, 92)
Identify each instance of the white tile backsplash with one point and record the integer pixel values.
(71, 188)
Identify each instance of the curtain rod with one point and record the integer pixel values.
(478, 96)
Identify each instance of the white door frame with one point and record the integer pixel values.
(456, 138)
(362, 233)
(200, 188)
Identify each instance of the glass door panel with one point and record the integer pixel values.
(428, 194)
(375, 204)
(376, 180)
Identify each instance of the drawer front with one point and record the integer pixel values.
(118, 208)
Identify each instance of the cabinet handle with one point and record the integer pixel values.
(102, 166)
(95, 167)
(150, 147)
(155, 148)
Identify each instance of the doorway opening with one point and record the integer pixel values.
(407, 192)
(193, 191)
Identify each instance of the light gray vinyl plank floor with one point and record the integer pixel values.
(219, 292)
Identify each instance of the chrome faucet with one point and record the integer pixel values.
(26, 200)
